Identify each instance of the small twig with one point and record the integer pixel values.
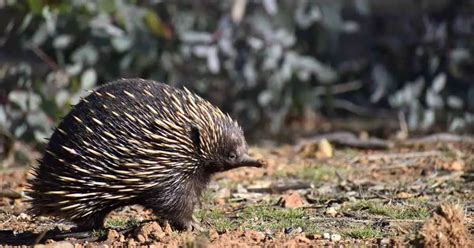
(10, 194)
(398, 167)
(338, 88)
(403, 155)
(44, 57)
(346, 139)
(367, 221)
(351, 107)
(440, 137)
(7, 220)
(280, 188)
(403, 133)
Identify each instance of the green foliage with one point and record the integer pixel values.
(274, 62)
(216, 218)
(317, 174)
(259, 218)
(415, 211)
(363, 233)
(121, 223)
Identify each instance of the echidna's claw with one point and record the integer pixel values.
(194, 225)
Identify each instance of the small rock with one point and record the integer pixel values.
(336, 206)
(322, 149)
(335, 237)
(385, 242)
(150, 231)
(213, 235)
(121, 238)
(327, 236)
(42, 219)
(141, 238)
(404, 195)
(23, 216)
(89, 245)
(457, 165)
(168, 229)
(331, 211)
(219, 201)
(131, 243)
(293, 200)
(290, 230)
(112, 235)
(364, 135)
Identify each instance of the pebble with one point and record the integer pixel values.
(23, 216)
(335, 237)
(385, 242)
(291, 230)
(326, 235)
(141, 238)
(293, 200)
(112, 235)
(331, 211)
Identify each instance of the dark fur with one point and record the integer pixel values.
(169, 200)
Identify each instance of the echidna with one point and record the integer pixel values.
(135, 141)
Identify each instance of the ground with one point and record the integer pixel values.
(313, 193)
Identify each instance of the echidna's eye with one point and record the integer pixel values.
(232, 156)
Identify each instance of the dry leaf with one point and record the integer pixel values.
(404, 195)
(325, 149)
(457, 165)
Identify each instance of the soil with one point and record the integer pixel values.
(334, 196)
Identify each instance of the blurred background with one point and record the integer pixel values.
(284, 69)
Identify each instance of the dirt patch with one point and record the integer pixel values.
(446, 229)
(354, 198)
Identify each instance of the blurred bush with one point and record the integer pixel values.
(263, 61)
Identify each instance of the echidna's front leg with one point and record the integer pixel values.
(195, 225)
(181, 214)
(183, 221)
(189, 224)
(93, 222)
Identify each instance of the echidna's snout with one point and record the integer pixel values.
(246, 160)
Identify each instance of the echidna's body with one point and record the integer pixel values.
(135, 142)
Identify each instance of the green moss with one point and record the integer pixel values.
(264, 217)
(392, 211)
(99, 233)
(119, 223)
(259, 218)
(207, 197)
(215, 218)
(317, 174)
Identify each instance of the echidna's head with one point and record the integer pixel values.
(231, 150)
